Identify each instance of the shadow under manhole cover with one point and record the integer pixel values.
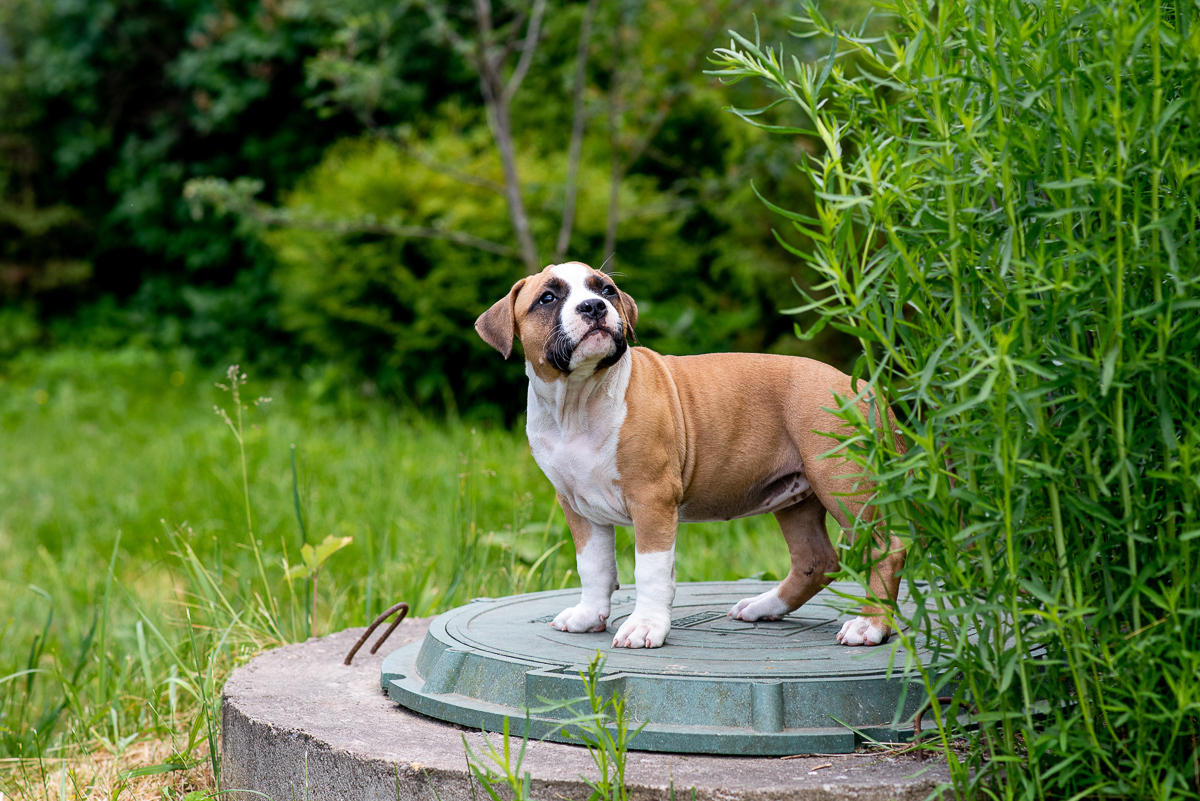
(718, 686)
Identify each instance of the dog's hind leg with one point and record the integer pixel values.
(842, 490)
(812, 556)
(871, 627)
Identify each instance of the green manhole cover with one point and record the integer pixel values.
(718, 686)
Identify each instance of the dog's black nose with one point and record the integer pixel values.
(593, 309)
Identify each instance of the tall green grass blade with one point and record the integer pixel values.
(102, 650)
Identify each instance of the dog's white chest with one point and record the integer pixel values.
(574, 441)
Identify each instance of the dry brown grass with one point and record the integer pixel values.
(97, 775)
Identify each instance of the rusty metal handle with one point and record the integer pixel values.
(402, 608)
(941, 699)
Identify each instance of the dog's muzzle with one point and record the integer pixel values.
(560, 348)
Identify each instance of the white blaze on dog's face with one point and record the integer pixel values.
(588, 326)
(569, 317)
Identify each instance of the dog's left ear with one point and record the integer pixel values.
(629, 312)
(498, 325)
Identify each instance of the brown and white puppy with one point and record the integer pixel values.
(632, 437)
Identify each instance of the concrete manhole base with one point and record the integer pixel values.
(297, 723)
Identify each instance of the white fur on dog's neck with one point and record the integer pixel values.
(570, 402)
(573, 425)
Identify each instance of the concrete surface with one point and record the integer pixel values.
(298, 724)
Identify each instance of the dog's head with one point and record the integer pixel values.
(567, 317)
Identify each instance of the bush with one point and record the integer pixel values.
(400, 310)
(1008, 222)
(107, 107)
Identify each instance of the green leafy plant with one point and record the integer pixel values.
(599, 721)
(602, 726)
(502, 772)
(1007, 221)
(313, 559)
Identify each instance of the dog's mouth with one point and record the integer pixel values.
(602, 332)
(560, 350)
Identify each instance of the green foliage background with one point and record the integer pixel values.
(106, 108)
(109, 108)
(402, 310)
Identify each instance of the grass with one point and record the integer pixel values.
(129, 585)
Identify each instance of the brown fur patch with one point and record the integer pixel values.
(717, 436)
(581, 528)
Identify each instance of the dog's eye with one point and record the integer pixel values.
(547, 297)
(609, 291)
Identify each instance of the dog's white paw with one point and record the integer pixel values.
(768, 606)
(642, 631)
(580, 618)
(861, 631)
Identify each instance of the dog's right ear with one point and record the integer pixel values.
(498, 325)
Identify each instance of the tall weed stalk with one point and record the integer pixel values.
(1006, 218)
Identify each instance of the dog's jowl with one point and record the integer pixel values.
(632, 437)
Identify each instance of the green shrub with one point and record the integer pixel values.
(107, 107)
(401, 310)
(1008, 221)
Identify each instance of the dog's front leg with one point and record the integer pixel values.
(654, 531)
(596, 560)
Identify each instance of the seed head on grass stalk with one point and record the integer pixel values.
(236, 381)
